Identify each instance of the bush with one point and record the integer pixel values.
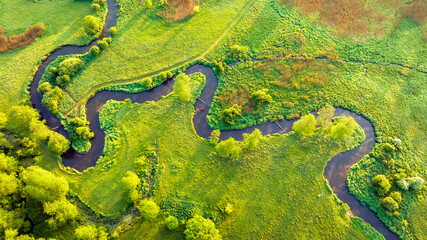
(91, 24)
(94, 50)
(403, 184)
(231, 114)
(214, 137)
(131, 183)
(389, 204)
(44, 87)
(95, 7)
(148, 4)
(102, 44)
(344, 127)
(171, 222)
(100, 2)
(396, 196)
(112, 31)
(63, 80)
(261, 96)
(228, 148)
(416, 183)
(181, 87)
(148, 209)
(239, 52)
(251, 141)
(306, 125)
(381, 183)
(52, 99)
(108, 40)
(147, 82)
(163, 75)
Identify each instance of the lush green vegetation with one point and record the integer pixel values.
(157, 179)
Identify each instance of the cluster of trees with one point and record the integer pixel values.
(65, 71)
(51, 96)
(237, 52)
(231, 147)
(231, 114)
(198, 228)
(90, 232)
(80, 134)
(91, 24)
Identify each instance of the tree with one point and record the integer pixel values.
(325, 115)
(214, 137)
(239, 52)
(345, 127)
(70, 66)
(52, 98)
(231, 114)
(181, 87)
(171, 222)
(90, 232)
(43, 185)
(250, 141)
(58, 143)
(9, 184)
(102, 44)
(131, 183)
(416, 183)
(148, 4)
(3, 120)
(390, 204)
(112, 31)
(228, 148)
(147, 82)
(44, 88)
(20, 119)
(91, 24)
(261, 96)
(61, 211)
(199, 228)
(306, 125)
(148, 209)
(381, 183)
(8, 164)
(396, 196)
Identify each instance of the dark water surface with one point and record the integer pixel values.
(335, 172)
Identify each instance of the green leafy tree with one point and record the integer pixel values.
(382, 185)
(396, 196)
(131, 183)
(416, 183)
(44, 88)
(8, 164)
(20, 119)
(61, 212)
(171, 222)
(70, 66)
(214, 137)
(90, 232)
(390, 204)
(261, 96)
(43, 185)
(52, 98)
(325, 115)
(305, 126)
(148, 209)
(199, 228)
(231, 114)
(58, 143)
(251, 141)
(102, 44)
(3, 120)
(345, 127)
(91, 24)
(148, 4)
(147, 82)
(228, 148)
(239, 52)
(181, 87)
(112, 31)
(9, 184)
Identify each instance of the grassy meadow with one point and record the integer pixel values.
(18, 66)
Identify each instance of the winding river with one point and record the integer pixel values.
(335, 172)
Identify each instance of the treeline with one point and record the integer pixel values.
(21, 40)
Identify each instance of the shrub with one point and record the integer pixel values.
(63, 80)
(171, 222)
(147, 82)
(112, 31)
(306, 125)
(403, 184)
(390, 204)
(95, 7)
(94, 50)
(416, 183)
(52, 99)
(148, 209)
(388, 148)
(91, 24)
(228, 148)
(396, 196)
(261, 96)
(251, 141)
(131, 183)
(102, 44)
(70, 66)
(163, 75)
(100, 2)
(148, 4)
(239, 52)
(214, 137)
(381, 183)
(231, 114)
(44, 87)
(108, 40)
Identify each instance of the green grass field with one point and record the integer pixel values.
(18, 66)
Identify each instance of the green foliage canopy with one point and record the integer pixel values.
(199, 228)
(229, 148)
(306, 125)
(181, 87)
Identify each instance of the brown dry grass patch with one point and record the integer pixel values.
(417, 11)
(21, 40)
(178, 10)
(349, 17)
